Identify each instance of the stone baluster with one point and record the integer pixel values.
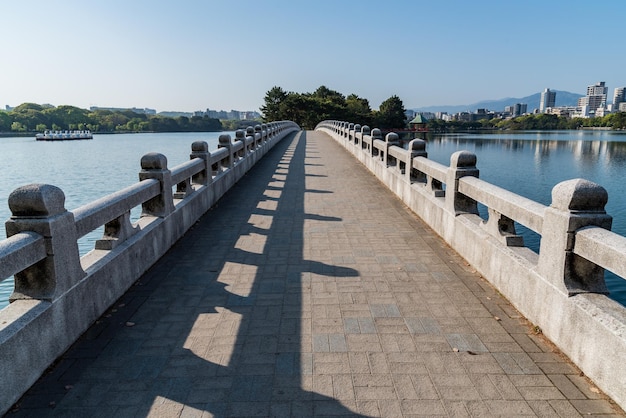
(240, 135)
(224, 141)
(40, 208)
(376, 136)
(502, 228)
(391, 138)
(250, 134)
(416, 148)
(575, 204)
(350, 132)
(357, 134)
(462, 163)
(258, 130)
(365, 130)
(116, 232)
(200, 149)
(154, 166)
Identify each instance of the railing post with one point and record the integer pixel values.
(240, 135)
(258, 130)
(357, 133)
(154, 166)
(250, 134)
(391, 138)
(40, 208)
(575, 204)
(365, 131)
(377, 135)
(200, 149)
(224, 142)
(462, 163)
(416, 148)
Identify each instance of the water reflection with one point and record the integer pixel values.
(532, 163)
(85, 170)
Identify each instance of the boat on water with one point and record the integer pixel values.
(63, 135)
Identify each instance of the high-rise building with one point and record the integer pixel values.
(595, 98)
(619, 97)
(548, 98)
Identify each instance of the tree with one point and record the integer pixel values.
(358, 109)
(5, 121)
(325, 94)
(17, 127)
(273, 100)
(391, 114)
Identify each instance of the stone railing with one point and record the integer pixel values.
(58, 294)
(561, 289)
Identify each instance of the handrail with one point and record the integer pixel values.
(20, 251)
(187, 170)
(430, 168)
(95, 214)
(524, 211)
(602, 247)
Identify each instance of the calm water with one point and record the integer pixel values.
(532, 163)
(85, 170)
(528, 163)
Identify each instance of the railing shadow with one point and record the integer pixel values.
(220, 324)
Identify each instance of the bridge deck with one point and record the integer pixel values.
(310, 290)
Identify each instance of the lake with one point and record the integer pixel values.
(526, 163)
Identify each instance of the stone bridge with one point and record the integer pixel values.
(299, 285)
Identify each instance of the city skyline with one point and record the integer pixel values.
(197, 55)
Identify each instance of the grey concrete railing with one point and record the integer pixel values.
(58, 294)
(561, 288)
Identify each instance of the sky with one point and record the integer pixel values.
(188, 55)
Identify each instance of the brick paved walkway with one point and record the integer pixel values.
(311, 291)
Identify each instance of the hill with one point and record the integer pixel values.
(563, 98)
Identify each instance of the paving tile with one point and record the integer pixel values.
(310, 290)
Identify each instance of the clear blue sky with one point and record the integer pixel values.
(222, 54)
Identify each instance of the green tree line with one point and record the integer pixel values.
(32, 117)
(308, 109)
(532, 123)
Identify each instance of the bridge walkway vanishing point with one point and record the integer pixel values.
(311, 290)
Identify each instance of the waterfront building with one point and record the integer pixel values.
(548, 99)
(518, 109)
(595, 98)
(566, 111)
(138, 110)
(619, 97)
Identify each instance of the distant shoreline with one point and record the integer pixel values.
(28, 134)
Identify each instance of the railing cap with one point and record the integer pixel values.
(154, 161)
(224, 139)
(37, 200)
(377, 133)
(250, 131)
(417, 145)
(579, 195)
(463, 159)
(200, 146)
(365, 130)
(392, 137)
(240, 134)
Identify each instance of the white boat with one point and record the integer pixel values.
(63, 135)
